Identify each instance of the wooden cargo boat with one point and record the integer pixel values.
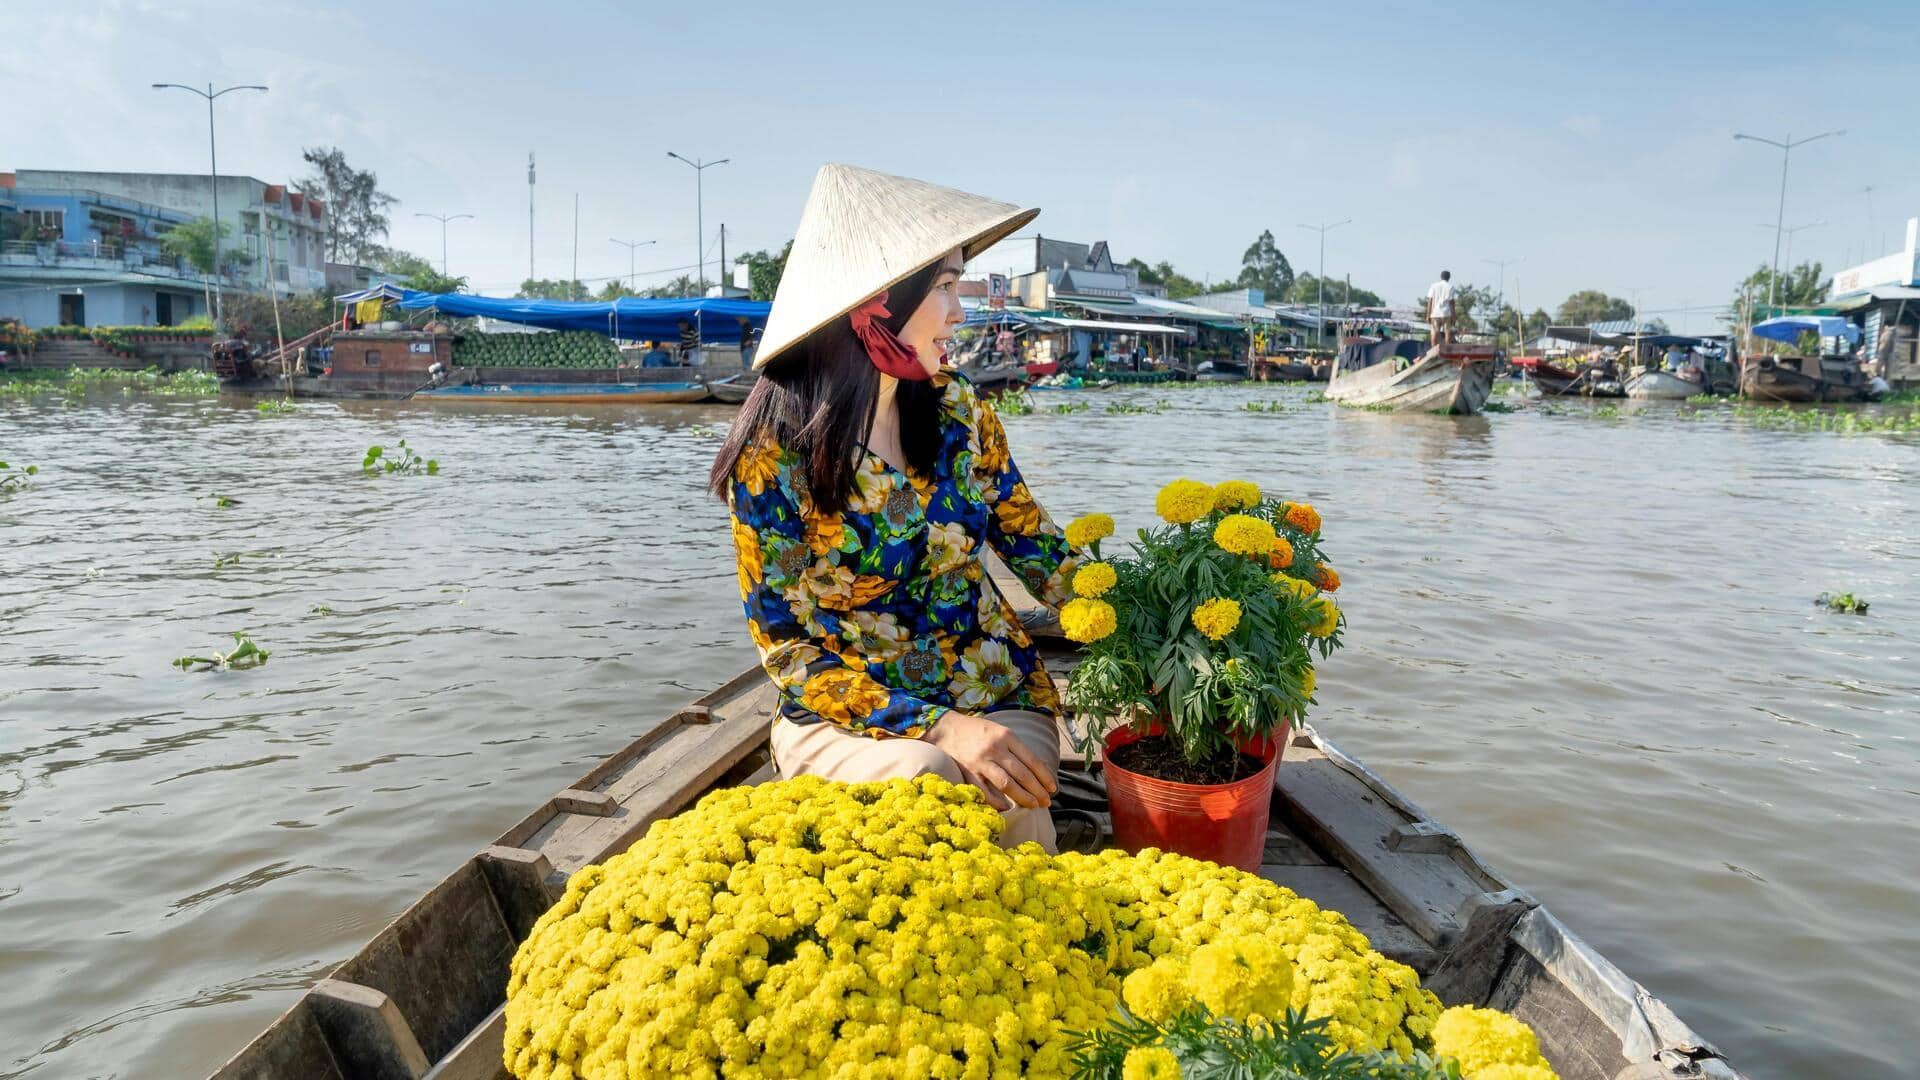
(425, 998)
(734, 390)
(1803, 378)
(1449, 378)
(1554, 380)
(1650, 384)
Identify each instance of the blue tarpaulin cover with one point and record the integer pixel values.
(630, 317)
(1788, 328)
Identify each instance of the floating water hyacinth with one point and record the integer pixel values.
(245, 655)
(16, 477)
(405, 460)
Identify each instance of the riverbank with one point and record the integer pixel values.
(1648, 725)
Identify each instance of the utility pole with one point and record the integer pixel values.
(213, 182)
(699, 220)
(1501, 298)
(1780, 216)
(723, 258)
(630, 245)
(1321, 279)
(443, 219)
(1790, 230)
(530, 274)
(572, 281)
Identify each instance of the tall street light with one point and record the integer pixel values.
(699, 219)
(1500, 300)
(443, 219)
(1780, 216)
(1323, 229)
(631, 245)
(213, 180)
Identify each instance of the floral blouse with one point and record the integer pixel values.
(881, 618)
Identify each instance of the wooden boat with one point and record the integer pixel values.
(650, 393)
(733, 390)
(1555, 380)
(1448, 378)
(1788, 378)
(1652, 384)
(425, 997)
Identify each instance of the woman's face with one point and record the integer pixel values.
(931, 327)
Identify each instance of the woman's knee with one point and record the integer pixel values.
(915, 757)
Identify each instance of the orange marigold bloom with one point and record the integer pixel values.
(1326, 577)
(1281, 556)
(1304, 517)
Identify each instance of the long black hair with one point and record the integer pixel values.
(819, 400)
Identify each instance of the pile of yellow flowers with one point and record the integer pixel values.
(811, 929)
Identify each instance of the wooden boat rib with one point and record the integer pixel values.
(1450, 378)
(425, 998)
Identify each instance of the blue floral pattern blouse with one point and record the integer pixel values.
(881, 618)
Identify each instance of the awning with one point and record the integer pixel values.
(382, 291)
(1788, 328)
(1116, 327)
(717, 320)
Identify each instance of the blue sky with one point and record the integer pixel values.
(1593, 142)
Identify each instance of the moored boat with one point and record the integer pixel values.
(426, 996)
(1765, 377)
(1591, 379)
(1652, 384)
(1447, 378)
(734, 389)
(652, 393)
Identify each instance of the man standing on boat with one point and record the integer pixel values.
(1440, 308)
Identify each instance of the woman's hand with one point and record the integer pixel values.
(994, 760)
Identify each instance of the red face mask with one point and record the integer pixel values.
(884, 348)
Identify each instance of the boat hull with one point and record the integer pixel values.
(573, 393)
(426, 997)
(1764, 380)
(1661, 386)
(1456, 380)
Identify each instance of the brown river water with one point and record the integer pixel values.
(1586, 642)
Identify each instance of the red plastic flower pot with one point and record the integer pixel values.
(1221, 823)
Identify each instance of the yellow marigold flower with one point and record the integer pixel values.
(1150, 1063)
(1183, 501)
(1241, 976)
(1217, 617)
(1280, 556)
(1515, 1072)
(1483, 1038)
(1329, 618)
(1303, 516)
(1294, 585)
(1326, 577)
(1094, 579)
(1307, 682)
(1236, 495)
(1154, 992)
(1085, 620)
(1084, 530)
(1243, 534)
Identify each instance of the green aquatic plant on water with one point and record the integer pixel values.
(378, 460)
(1842, 421)
(76, 381)
(1500, 407)
(16, 477)
(1264, 406)
(275, 407)
(1844, 602)
(221, 502)
(1315, 397)
(245, 655)
(1606, 412)
(1068, 408)
(319, 609)
(1012, 403)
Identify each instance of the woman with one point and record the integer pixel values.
(865, 482)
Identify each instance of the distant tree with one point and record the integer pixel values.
(192, 242)
(552, 289)
(1306, 290)
(1592, 306)
(356, 207)
(679, 287)
(614, 290)
(1799, 286)
(416, 272)
(764, 270)
(1263, 267)
(1178, 285)
(1471, 304)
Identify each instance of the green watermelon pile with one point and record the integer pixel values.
(567, 349)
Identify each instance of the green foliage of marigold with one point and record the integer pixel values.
(807, 928)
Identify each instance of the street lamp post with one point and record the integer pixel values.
(631, 245)
(213, 180)
(1780, 216)
(699, 211)
(1790, 230)
(443, 219)
(1323, 228)
(1500, 299)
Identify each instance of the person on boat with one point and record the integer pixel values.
(655, 356)
(1440, 308)
(1676, 358)
(867, 480)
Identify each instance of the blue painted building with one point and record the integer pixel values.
(84, 248)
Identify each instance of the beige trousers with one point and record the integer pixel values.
(821, 749)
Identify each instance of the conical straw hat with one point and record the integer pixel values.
(864, 231)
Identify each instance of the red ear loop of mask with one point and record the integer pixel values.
(884, 348)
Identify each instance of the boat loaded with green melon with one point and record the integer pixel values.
(427, 996)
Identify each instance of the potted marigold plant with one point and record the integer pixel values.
(1198, 655)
